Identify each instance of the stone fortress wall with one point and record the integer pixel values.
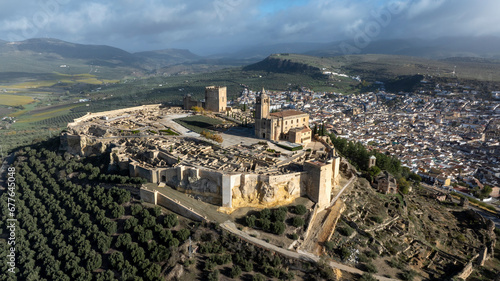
(227, 188)
(91, 115)
(236, 190)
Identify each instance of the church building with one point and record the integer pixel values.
(287, 125)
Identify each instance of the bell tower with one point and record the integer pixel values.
(262, 106)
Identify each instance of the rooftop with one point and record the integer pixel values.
(287, 113)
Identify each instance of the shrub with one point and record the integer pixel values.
(265, 224)
(250, 220)
(265, 214)
(214, 275)
(371, 254)
(346, 231)
(298, 222)
(363, 258)
(367, 277)
(377, 219)
(235, 271)
(279, 215)
(329, 245)
(408, 275)
(258, 277)
(300, 209)
(369, 267)
(278, 227)
(247, 265)
(395, 262)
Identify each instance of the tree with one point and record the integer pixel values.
(247, 265)
(265, 224)
(485, 192)
(131, 223)
(279, 215)
(250, 220)
(258, 277)
(298, 221)
(278, 227)
(124, 241)
(173, 242)
(116, 210)
(145, 235)
(213, 276)
(408, 275)
(265, 214)
(165, 236)
(156, 211)
(94, 261)
(120, 195)
(183, 234)
(370, 267)
(129, 271)
(235, 272)
(170, 220)
(136, 209)
(374, 171)
(404, 185)
(300, 209)
(152, 272)
(329, 245)
(367, 277)
(117, 261)
(138, 254)
(197, 109)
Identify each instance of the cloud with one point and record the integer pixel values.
(221, 25)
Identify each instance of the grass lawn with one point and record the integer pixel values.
(198, 123)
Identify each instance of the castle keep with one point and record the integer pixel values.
(215, 100)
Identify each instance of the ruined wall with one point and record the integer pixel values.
(157, 198)
(135, 170)
(169, 159)
(244, 190)
(91, 115)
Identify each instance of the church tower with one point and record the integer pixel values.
(262, 106)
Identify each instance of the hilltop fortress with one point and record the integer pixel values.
(146, 142)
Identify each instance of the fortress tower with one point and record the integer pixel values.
(319, 187)
(215, 98)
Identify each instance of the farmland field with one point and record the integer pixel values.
(14, 100)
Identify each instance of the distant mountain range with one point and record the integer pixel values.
(486, 47)
(31, 54)
(46, 55)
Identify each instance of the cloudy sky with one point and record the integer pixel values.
(217, 26)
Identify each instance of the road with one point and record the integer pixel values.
(231, 227)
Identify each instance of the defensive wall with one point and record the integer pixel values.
(157, 198)
(235, 190)
(91, 115)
